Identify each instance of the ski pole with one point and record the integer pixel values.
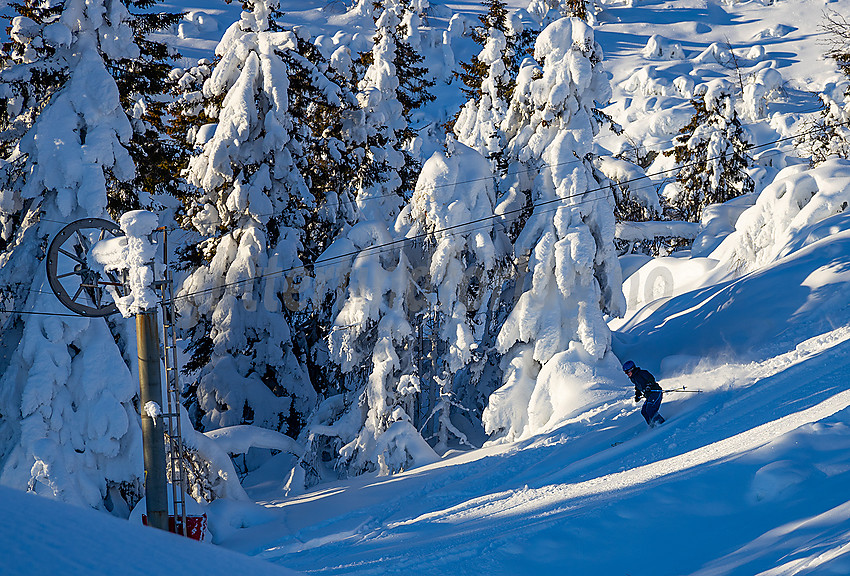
(682, 389)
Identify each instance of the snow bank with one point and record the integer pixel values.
(55, 538)
(240, 439)
(747, 318)
(718, 221)
(665, 277)
(798, 197)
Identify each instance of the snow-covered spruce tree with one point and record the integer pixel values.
(69, 428)
(142, 83)
(142, 79)
(556, 342)
(189, 125)
(395, 85)
(711, 151)
(264, 205)
(380, 188)
(490, 78)
(367, 426)
(31, 73)
(637, 199)
(547, 10)
(463, 263)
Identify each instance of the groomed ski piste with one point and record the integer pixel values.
(748, 477)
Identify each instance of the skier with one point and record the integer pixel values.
(645, 387)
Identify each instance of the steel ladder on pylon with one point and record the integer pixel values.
(172, 379)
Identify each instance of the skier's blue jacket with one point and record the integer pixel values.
(644, 382)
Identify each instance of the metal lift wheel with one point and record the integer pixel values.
(78, 287)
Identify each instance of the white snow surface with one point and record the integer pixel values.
(747, 477)
(44, 538)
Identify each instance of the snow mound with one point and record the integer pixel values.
(660, 48)
(646, 81)
(746, 318)
(775, 480)
(777, 31)
(718, 221)
(798, 198)
(715, 53)
(568, 385)
(764, 83)
(664, 277)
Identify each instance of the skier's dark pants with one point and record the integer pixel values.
(651, 406)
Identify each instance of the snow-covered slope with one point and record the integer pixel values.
(44, 538)
(745, 477)
(748, 476)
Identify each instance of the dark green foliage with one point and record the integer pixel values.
(414, 87)
(577, 9)
(413, 83)
(413, 93)
(329, 163)
(629, 208)
(519, 46)
(144, 81)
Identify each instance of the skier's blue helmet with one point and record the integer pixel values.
(628, 365)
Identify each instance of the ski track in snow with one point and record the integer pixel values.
(435, 520)
(389, 536)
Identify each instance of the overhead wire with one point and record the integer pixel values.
(464, 227)
(379, 248)
(41, 313)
